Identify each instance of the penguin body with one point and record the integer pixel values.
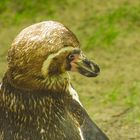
(37, 101)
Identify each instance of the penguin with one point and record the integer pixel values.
(37, 99)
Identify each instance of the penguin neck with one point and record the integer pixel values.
(12, 96)
(18, 100)
(31, 83)
(57, 82)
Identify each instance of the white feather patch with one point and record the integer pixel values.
(82, 138)
(74, 95)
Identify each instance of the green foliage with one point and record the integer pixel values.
(112, 96)
(132, 99)
(112, 24)
(105, 27)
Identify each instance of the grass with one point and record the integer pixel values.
(109, 32)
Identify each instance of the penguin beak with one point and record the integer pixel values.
(85, 66)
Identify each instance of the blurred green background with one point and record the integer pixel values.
(109, 32)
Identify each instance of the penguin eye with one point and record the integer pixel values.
(71, 56)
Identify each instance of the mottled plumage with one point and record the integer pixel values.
(37, 101)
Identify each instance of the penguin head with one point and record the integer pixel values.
(46, 50)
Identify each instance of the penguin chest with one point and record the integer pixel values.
(57, 124)
(49, 121)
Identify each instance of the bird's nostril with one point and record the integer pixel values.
(87, 62)
(97, 69)
(94, 67)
